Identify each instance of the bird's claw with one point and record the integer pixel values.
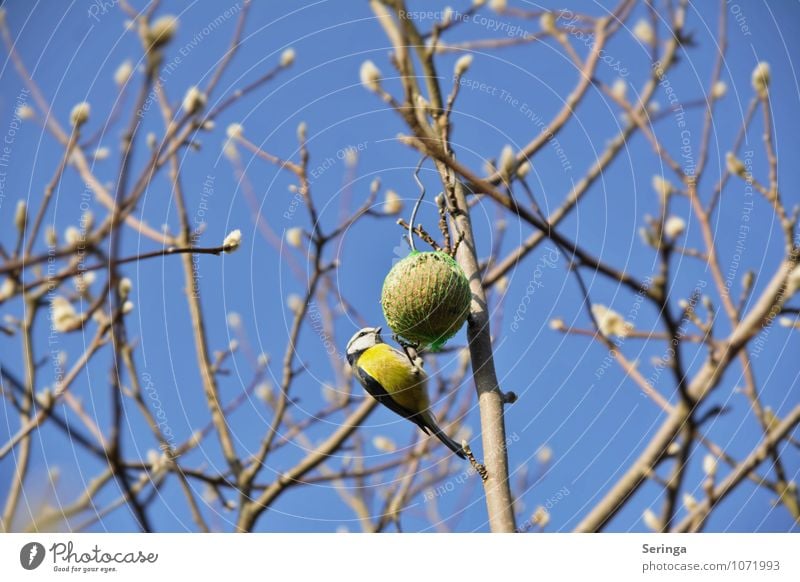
(410, 351)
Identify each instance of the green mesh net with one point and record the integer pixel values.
(426, 298)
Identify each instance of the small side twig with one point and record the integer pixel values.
(457, 244)
(443, 224)
(421, 233)
(479, 468)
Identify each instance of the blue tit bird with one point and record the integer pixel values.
(396, 381)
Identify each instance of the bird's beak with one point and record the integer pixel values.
(378, 330)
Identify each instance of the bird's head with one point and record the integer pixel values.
(361, 341)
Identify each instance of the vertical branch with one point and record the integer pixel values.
(204, 360)
(22, 461)
(499, 502)
(185, 238)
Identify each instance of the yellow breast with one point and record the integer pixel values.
(391, 369)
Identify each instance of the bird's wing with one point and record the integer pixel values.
(405, 383)
(381, 395)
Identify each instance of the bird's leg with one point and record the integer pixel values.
(410, 351)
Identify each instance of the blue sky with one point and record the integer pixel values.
(594, 419)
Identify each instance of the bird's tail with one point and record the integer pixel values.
(430, 423)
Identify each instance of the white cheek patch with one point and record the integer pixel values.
(359, 345)
(364, 343)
